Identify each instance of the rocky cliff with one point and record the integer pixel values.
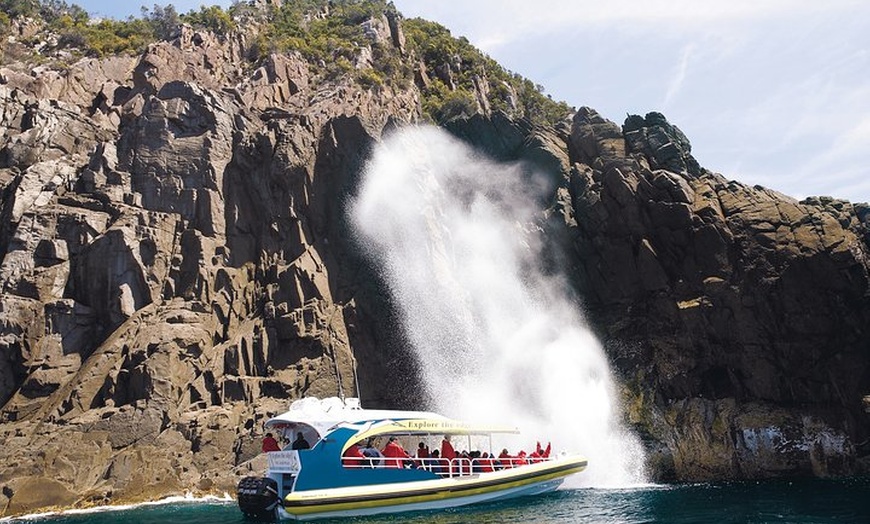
(735, 316)
(176, 267)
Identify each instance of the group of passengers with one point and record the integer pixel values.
(270, 444)
(445, 462)
(466, 462)
(371, 457)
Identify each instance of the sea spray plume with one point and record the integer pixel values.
(496, 338)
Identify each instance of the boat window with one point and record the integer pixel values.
(415, 452)
(296, 435)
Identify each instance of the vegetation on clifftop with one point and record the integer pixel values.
(460, 70)
(339, 38)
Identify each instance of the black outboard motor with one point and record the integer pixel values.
(258, 498)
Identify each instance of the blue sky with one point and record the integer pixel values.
(775, 93)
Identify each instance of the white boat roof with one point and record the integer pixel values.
(325, 414)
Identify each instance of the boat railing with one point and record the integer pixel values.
(457, 467)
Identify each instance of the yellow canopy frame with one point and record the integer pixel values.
(426, 427)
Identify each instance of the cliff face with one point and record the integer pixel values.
(176, 266)
(737, 316)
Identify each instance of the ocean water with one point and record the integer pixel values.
(804, 501)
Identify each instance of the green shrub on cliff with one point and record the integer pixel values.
(164, 20)
(458, 103)
(368, 77)
(16, 8)
(78, 32)
(211, 18)
(49, 11)
(316, 28)
(332, 35)
(455, 60)
(105, 37)
(75, 29)
(441, 103)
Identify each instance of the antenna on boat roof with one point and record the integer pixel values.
(331, 330)
(356, 377)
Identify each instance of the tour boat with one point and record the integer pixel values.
(330, 479)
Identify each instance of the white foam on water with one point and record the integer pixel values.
(496, 338)
(177, 499)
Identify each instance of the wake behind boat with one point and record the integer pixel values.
(340, 471)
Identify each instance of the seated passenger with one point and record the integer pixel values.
(461, 465)
(395, 454)
(300, 442)
(376, 458)
(437, 464)
(270, 444)
(353, 457)
(476, 464)
(520, 459)
(505, 459)
(486, 465)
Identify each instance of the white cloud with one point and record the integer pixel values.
(679, 76)
(846, 145)
(489, 23)
(856, 139)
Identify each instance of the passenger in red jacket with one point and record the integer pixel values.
(505, 458)
(394, 450)
(461, 465)
(270, 444)
(353, 457)
(485, 463)
(447, 451)
(543, 453)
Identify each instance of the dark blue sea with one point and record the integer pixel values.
(806, 501)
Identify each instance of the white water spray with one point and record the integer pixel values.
(496, 339)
